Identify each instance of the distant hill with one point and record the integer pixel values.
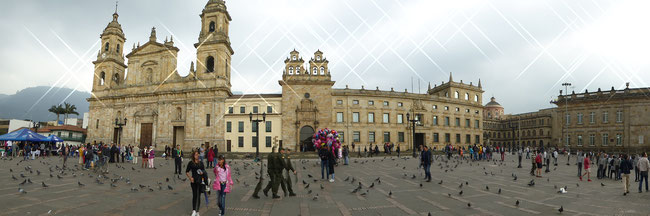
(25, 103)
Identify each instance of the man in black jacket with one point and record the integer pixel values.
(626, 166)
(426, 163)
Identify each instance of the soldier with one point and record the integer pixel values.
(273, 166)
(279, 179)
(259, 183)
(287, 166)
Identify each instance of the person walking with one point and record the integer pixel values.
(177, 155)
(331, 161)
(397, 150)
(425, 159)
(580, 160)
(519, 154)
(222, 183)
(626, 166)
(635, 162)
(152, 155)
(586, 164)
(346, 153)
(534, 164)
(288, 167)
(274, 182)
(643, 165)
(195, 171)
(145, 156)
(210, 158)
(539, 161)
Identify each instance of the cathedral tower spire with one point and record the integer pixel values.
(109, 66)
(213, 48)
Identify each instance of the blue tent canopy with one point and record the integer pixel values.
(23, 135)
(53, 138)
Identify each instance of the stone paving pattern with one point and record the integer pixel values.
(64, 196)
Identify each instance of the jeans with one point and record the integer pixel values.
(427, 171)
(346, 160)
(324, 167)
(579, 169)
(221, 199)
(643, 175)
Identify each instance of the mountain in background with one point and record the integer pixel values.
(25, 103)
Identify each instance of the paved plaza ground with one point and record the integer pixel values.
(64, 196)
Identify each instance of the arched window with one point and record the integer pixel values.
(119, 115)
(106, 46)
(317, 58)
(466, 96)
(211, 27)
(541, 132)
(291, 70)
(294, 57)
(226, 68)
(475, 98)
(102, 78)
(446, 94)
(534, 133)
(297, 70)
(314, 71)
(179, 113)
(209, 64)
(118, 48)
(116, 78)
(322, 70)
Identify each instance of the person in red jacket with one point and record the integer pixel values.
(210, 158)
(586, 163)
(538, 161)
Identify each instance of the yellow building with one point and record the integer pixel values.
(240, 131)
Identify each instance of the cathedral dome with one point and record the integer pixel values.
(493, 103)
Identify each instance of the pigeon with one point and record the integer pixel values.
(309, 192)
(487, 188)
(420, 184)
(306, 186)
(561, 209)
(38, 172)
(469, 205)
(10, 170)
(347, 179)
(531, 183)
(466, 183)
(517, 203)
(315, 197)
(390, 193)
(373, 184)
(23, 183)
(80, 184)
(321, 187)
(515, 178)
(170, 187)
(166, 179)
(59, 177)
(413, 177)
(29, 181)
(43, 184)
(22, 176)
(448, 194)
(601, 184)
(460, 193)
(22, 191)
(304, 182)
(14, 177)
(440, 182)
(461, 185)
(309, 175)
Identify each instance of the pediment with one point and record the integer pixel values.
(150, 47)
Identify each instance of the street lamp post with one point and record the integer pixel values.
(516, 147)
(256, 121)
(566, 111)
(412, 121)
(119, 132)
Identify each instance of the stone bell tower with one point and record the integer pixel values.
(109, 66)
(213, 50)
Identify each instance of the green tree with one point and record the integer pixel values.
(69, 109)
(57, 110)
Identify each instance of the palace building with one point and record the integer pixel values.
(152, 105)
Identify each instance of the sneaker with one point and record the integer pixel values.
(197, 214)
(580, 178)
(331, 180)
(193, 213)
(589, 180)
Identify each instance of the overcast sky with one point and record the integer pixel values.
(521, 50)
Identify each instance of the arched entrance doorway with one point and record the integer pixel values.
(306, 134)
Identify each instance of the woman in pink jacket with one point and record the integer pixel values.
(222, 183)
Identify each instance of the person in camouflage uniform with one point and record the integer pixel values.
(275, 166)
(288, 166)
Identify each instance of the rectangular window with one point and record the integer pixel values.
(207, 120)
(468, 138)
(255, 109)
(605, 140)
(269, 126)
(579, 118)
(435, 107)
(467, 125)
(356, 136)
(386, 119)
(568, 119)
(457, 122)
(619, 116)
(269, 109)
(240, 142)
(70, 134)
(385, 103)
(446, 121)
(592, 117)
(241, 126)
(435, 120)
(268, 141)
(342, 136)
(447, 138)
(355, 102)
(339, 102)
(619, 139)
(568, 139)
(255, 141)
(476, 124)
(371, 102)
(371, 137)
(386, 137)
(254, 127)
(477, 139)
(228, 127)
(592, 139)
(605, 117)
(400, 118)
(97, 124)
(446, 108)
(371, 117)
(242, 109)
(230, 110)
(400, 136)
(457, 138)
(436, 137)
(579, 140)
(400, 104)
(355, 117)
(339, 117)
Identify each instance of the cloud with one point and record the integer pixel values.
(521, 50)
